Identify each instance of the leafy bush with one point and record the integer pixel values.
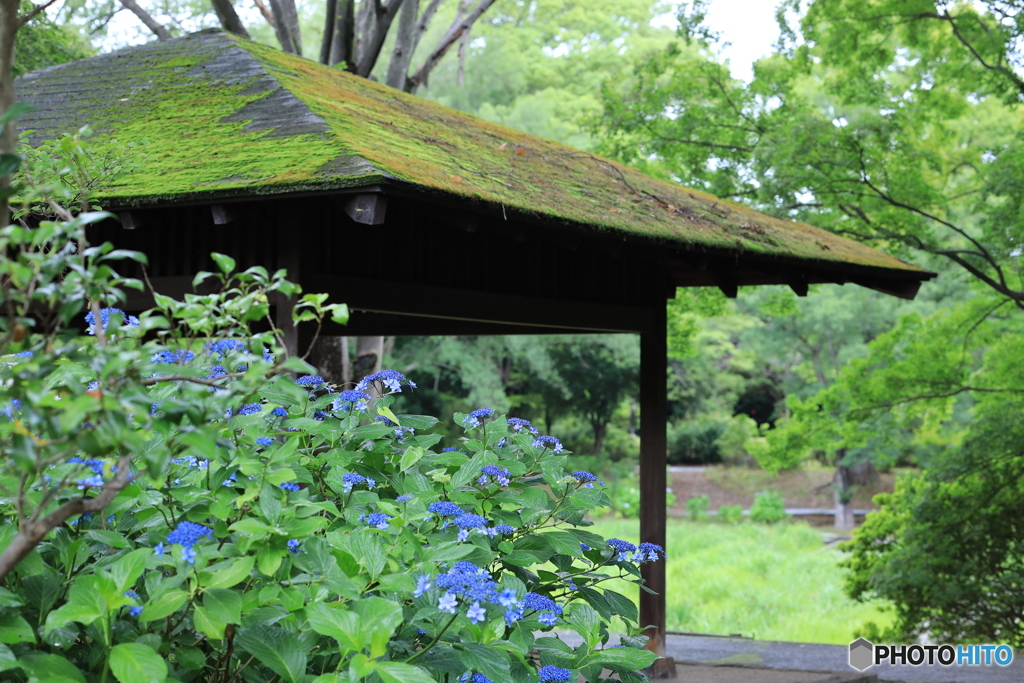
(179, 505)
(732, 443)
(730, 514)
(768, 508)
(695, 441)
(624, 492)
(697, 508)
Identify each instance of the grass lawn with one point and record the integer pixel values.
(769, 582)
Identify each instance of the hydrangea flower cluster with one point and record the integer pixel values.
(473, 419)
(173, 357)
(554, 674)
(499, 474)
(310, 381)
(221, 347)
(350, 400)
(134, 610)
(627, 552)
(548, 442)
(586, 479)
(186, 534)
(96, 480)
(264, 441)
(250, 409)
(293, 546)
(445, 509)
(392, 380)
(105, 314)
(518, 424)
(377, 519)
(289, 486)
(351, 480)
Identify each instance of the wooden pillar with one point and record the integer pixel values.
(653, 444)
(289, 257)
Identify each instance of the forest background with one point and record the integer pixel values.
(894, 122)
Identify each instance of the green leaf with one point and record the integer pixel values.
(7, 658)
(400, 672)
(224, 262)
(489, 661)
(340, 624)
(85, 603)
(163, 606)
(269, 559)
(127, 569)
(50, 669)
(224, 604)
(379, 618)
(622, 605)
(624, 658)
(134, 663)
(232, 576)
(585, 621)
(207, 624)
(411, 456)
(277, 649)
(9, 599)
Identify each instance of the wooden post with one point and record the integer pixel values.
(653, 444)
(288, 257)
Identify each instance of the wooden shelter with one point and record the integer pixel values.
(425, 220)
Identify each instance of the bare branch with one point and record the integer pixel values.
(378, 23)
(147, 19)
(453, 33)
(30, 535)
(265, 11)
(34, 12)
(229, 18)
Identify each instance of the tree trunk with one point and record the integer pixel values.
(377, 25)
(330, 358)
(343, 40)
(843, 493)
(405, 38)
(286, 25)
(229, 18)
(454, 32)
(145, 17)
(600, 430)
(330, 18)
(9, 25)
(369, 355)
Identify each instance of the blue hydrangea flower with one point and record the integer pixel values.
(508, 598)
(135, 610)
(279, 412)
(649, 552)
(289, 486)
(105, 314)
(548, 442)
(173, 357)
(223, 346)
(392, 380)
(447, 603)
(351, 480)
(379, 520)
(423, 584)
(462, 535)
(518, 424)
(250, 409)
(311, 381)
(188, 534)
(350, 400)
(469, 581)
(158, 549)
(404, 498)
(512, 615)
(625, 549)
(445, 509)
(15, 404)
(188, 554)
(554, 674)
(539, 603)
(473, 419)
(470, 521)
(500, 474)
(585, 478)
(293, 546)
(264, 441)
(476, 613)
(547, 618)
(24, 354)
(450, 449)
(504, 529)
(216, 372)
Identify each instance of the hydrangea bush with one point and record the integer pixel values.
(184, 502)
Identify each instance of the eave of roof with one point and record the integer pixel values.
(225, 117)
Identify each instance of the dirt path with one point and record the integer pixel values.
(805, 488)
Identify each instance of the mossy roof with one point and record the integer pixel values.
(227, 117)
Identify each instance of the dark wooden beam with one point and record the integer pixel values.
(653, 477)
(903, 290)
(798, 282)
(368, 209)
(222, 215)
(382, 296)
(369, 324)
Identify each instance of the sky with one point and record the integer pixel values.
(749, 25)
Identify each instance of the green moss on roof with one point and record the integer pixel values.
(227, 116)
